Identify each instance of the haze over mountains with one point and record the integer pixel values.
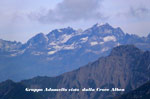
(125, 67)
(62, 50)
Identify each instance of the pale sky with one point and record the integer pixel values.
(22, 19)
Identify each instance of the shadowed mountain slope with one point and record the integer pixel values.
(142, 92)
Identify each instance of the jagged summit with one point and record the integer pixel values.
(54, 34)
(106, 29)
(62, 30)
(39, 38)
(101, 24)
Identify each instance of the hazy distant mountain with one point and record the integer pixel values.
(61, 50)
(126, 67)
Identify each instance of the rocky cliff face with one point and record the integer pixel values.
(126, 67)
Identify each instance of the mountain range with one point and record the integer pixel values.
(126, 67)
(62, 50)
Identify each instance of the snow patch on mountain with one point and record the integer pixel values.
(105, 49)
(52, 43)
(118, 44)
(83, 40)
(109, 38)
(57, 47)
(93, 43)
(101, 43)
(59, 30)
(70, 47)
(16, 52)
(99, 24)
(52, 52)
(37, 53)
(65, 38)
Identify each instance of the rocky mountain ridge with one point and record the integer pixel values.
(62, 50)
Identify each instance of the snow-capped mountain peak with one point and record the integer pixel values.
(101, 24)
(66, 48)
